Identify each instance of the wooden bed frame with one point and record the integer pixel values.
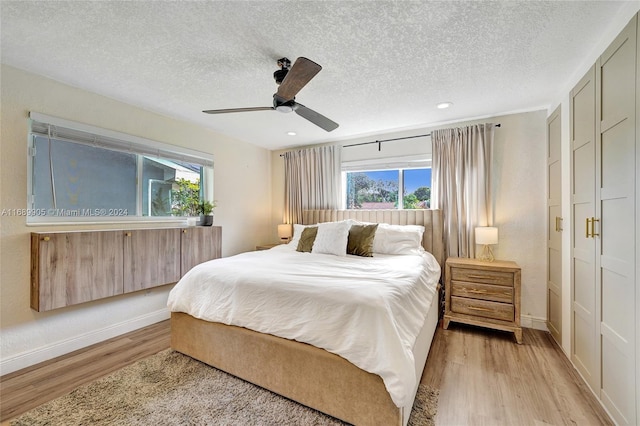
(305, 373)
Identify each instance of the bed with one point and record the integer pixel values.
(305, 373)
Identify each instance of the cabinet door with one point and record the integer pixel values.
(199, 244)
(615, 185)
(151, 258)
(75, 267)
(554, 229)
(584, 332)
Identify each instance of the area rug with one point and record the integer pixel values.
(173, 389)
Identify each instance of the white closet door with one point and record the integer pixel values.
(615, 244)
(554, 227)
(584, 331)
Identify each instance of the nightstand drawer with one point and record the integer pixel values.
(482, 276)
(495, 293)
(481, 308)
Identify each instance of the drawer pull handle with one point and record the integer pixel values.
(487, 293)
(475, 308)
(46, 238)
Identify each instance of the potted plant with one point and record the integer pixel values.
(205, 208)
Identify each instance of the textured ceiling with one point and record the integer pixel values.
(386, 64)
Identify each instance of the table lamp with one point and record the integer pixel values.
(486, 236)
(284, 232)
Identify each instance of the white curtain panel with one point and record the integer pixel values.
(462, 187)
(312, 180)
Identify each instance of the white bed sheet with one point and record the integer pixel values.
(368, 310)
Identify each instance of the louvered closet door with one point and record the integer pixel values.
(554, 228)
(584, 331)
(616, 243)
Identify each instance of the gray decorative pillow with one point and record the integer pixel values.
(307, 239)
(360, 242)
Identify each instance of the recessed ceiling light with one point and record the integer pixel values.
(443, 105)
(291, 133)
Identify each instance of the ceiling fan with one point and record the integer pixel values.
(291, 79)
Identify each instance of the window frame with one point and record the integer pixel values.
(399, 163)
(114, 141)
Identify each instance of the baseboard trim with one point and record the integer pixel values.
(537, 323)
(45, 353)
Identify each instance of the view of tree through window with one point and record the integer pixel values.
(382, 189)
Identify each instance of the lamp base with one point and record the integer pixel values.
(486, 254)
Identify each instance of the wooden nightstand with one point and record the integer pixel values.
(266, 246)
(482, 293)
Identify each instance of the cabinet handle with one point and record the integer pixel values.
(593, 227)
(475, 308)
(486, 292)
(46, 238)
(559, 224)
(127, 234)
(586, 228)
(184, 231)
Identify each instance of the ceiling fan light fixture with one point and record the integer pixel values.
(284, 108)
(444, 105)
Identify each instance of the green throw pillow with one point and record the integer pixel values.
(360, 240)
(307, 238)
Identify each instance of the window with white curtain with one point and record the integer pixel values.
(80, 173)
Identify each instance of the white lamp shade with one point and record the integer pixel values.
(486, 235)
(284, 231)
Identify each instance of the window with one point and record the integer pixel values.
(82, 173)
(401, 188)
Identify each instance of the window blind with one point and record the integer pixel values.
(61, 129)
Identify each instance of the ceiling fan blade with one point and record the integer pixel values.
(316, 118)
(302, 71)
(225, 111)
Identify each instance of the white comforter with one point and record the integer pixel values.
(368, 310)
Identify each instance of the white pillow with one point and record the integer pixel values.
(398, 239)
(332, 238)
(297, 232)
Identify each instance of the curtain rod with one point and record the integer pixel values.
(379, 142)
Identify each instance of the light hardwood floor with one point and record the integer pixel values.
(483, 376)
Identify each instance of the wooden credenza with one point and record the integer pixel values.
(482, 293)
(74, 267)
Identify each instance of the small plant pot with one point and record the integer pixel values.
(205, 220)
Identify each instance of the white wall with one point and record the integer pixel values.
(520, 194)
(242, 187)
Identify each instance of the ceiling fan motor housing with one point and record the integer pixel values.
(281, 105)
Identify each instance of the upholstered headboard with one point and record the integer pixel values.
(432, 240)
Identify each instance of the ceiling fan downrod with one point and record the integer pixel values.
(280, 74)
